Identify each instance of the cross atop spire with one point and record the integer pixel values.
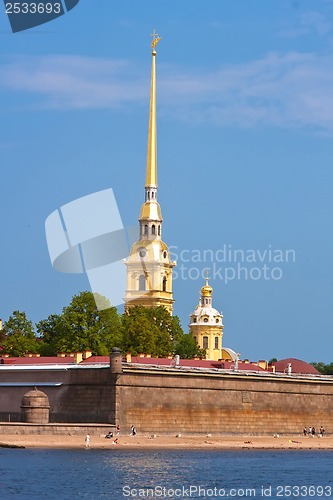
(155, 39)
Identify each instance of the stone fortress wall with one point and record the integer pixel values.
(174, 400)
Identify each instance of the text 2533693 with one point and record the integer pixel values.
(33, 8)
(303, 491)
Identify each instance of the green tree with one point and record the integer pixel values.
(52, 335)
(81, 327)
(187, 348)
(323, 368)
(150, 330)
(138, 332)
(18, 335)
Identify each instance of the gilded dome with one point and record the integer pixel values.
(206, 290)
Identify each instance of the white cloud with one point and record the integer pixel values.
(309, 22)
(316, 21)
(291, 90)
(73, 81)
(285, 90)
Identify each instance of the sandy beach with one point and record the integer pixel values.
(169, 442)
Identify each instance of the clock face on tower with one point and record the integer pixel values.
(142, 252)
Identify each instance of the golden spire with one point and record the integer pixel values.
(150, 210)
(151, 172)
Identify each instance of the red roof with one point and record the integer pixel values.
(297, 366)
(196, 363)
(38, 360)
(190, 363)
(96, 359)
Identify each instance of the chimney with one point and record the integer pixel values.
(78, 356)
(116, 359)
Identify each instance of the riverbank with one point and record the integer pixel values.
(170, 442)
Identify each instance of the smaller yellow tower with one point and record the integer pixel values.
(206, 324)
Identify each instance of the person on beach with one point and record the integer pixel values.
(115, 441)
(310, 431)
(321, 431)
(87, 441)
(305, 431)
(313, 431)
(133, 430)
(109, 435)
(118, 430)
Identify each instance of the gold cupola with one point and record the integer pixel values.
(206, 290)
(206, 324)
(149, 266)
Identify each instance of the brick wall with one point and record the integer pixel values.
(223, 404)
(173, 401)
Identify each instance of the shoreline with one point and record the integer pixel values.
(163, 442)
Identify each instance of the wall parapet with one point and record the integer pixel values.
(220, 372)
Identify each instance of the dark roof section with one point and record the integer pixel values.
(297, 366)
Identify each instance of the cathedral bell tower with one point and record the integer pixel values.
(149, 267)
(206, 324)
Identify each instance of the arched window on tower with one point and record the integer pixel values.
(164, 284)
(153, 229)
(159, 230)
(205, 342)
(142, 282)
(146, 229)
(216, 340)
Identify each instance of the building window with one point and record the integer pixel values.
(164, 284)
(159, 230)
(146, 229)
(142, 253)
(205, 342)
(217, 320)
(153, 229)
(195, 338)
(216, 342)
(194, 320)
(206, 320)
(142, 282)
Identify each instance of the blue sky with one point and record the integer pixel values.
(245, 129)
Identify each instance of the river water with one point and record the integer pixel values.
(119, 474)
